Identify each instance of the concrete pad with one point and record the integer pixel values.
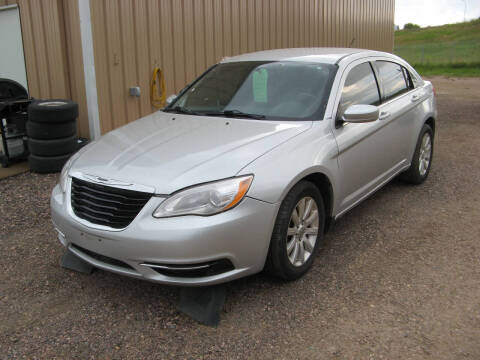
(13, 169)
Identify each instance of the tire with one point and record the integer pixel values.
(278, 262)
(415, 174)
(52, 111)
(53, 147)
(47, 164)
(12, 90)
(46, 131)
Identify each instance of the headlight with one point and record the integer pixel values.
(207, 199)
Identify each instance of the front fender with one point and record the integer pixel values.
(314, 151)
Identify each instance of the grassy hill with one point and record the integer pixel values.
(452, 49)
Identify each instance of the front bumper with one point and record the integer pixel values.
(240, 236)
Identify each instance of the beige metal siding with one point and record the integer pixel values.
(184, 37)
(52, 46)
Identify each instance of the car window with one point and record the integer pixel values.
(392, 78)
(416, 81)
(408, 78)
(274, 90)
(360, 88)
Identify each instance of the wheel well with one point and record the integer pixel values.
(431, 122)
(323, 184)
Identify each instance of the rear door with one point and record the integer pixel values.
(398, 106)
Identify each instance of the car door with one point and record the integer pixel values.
(399, 100)
(368, 153)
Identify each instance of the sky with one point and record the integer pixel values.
(434, 12)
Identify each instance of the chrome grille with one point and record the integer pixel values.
(106, 205)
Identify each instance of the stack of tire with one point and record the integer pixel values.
(52, 134)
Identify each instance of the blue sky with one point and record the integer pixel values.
(434, 12)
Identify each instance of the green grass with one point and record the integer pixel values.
(448, 70)
(452, 50)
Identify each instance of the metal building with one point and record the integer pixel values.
(93, 51)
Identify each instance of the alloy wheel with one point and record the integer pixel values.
(302, 231)
(425, 154)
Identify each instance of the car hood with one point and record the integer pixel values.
(167, 152)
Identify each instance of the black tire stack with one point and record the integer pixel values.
(52, 134)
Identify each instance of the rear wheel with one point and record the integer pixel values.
(298, 232)
(422, 158)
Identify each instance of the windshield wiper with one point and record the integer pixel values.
(235, 113)
(181, 110)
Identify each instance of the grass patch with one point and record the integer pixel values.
(454, 70)
(467, 51)
(465, 31)
(451, 50)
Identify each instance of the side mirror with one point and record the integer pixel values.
(171, 98)
(361, 114)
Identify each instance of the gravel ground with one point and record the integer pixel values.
(399, 278)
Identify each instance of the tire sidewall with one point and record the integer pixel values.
(415, 162)
(47, 164)
(67, 111)
(280, 262)
(47, 131)
(53, 147)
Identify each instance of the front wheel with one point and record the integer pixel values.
(298, 232)
(422, 158)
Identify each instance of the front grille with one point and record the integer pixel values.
(106, 205)
(103, 258)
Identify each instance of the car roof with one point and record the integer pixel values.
(320, 55)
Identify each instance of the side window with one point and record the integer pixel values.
(416, 81)
(360, 88)
(392, 78)
(408, 78)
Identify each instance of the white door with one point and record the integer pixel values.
(12, 61)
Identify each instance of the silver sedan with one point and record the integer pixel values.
(247, 167)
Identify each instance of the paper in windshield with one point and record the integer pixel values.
(260, 80)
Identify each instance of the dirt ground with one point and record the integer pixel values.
(399, 277)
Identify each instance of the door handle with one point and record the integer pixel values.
(384, 115)
(415, 98)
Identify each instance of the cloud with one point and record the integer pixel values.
(434, 12)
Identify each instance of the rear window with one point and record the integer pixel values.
(392, 78)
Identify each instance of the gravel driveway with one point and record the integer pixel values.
(399, 277)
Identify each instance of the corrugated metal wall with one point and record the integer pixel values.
(53, 53)
(184, 37)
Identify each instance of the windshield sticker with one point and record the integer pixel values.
(260, 79)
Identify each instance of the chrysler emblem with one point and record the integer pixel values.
(102, 180)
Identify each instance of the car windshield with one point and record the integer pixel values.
(260, 90)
